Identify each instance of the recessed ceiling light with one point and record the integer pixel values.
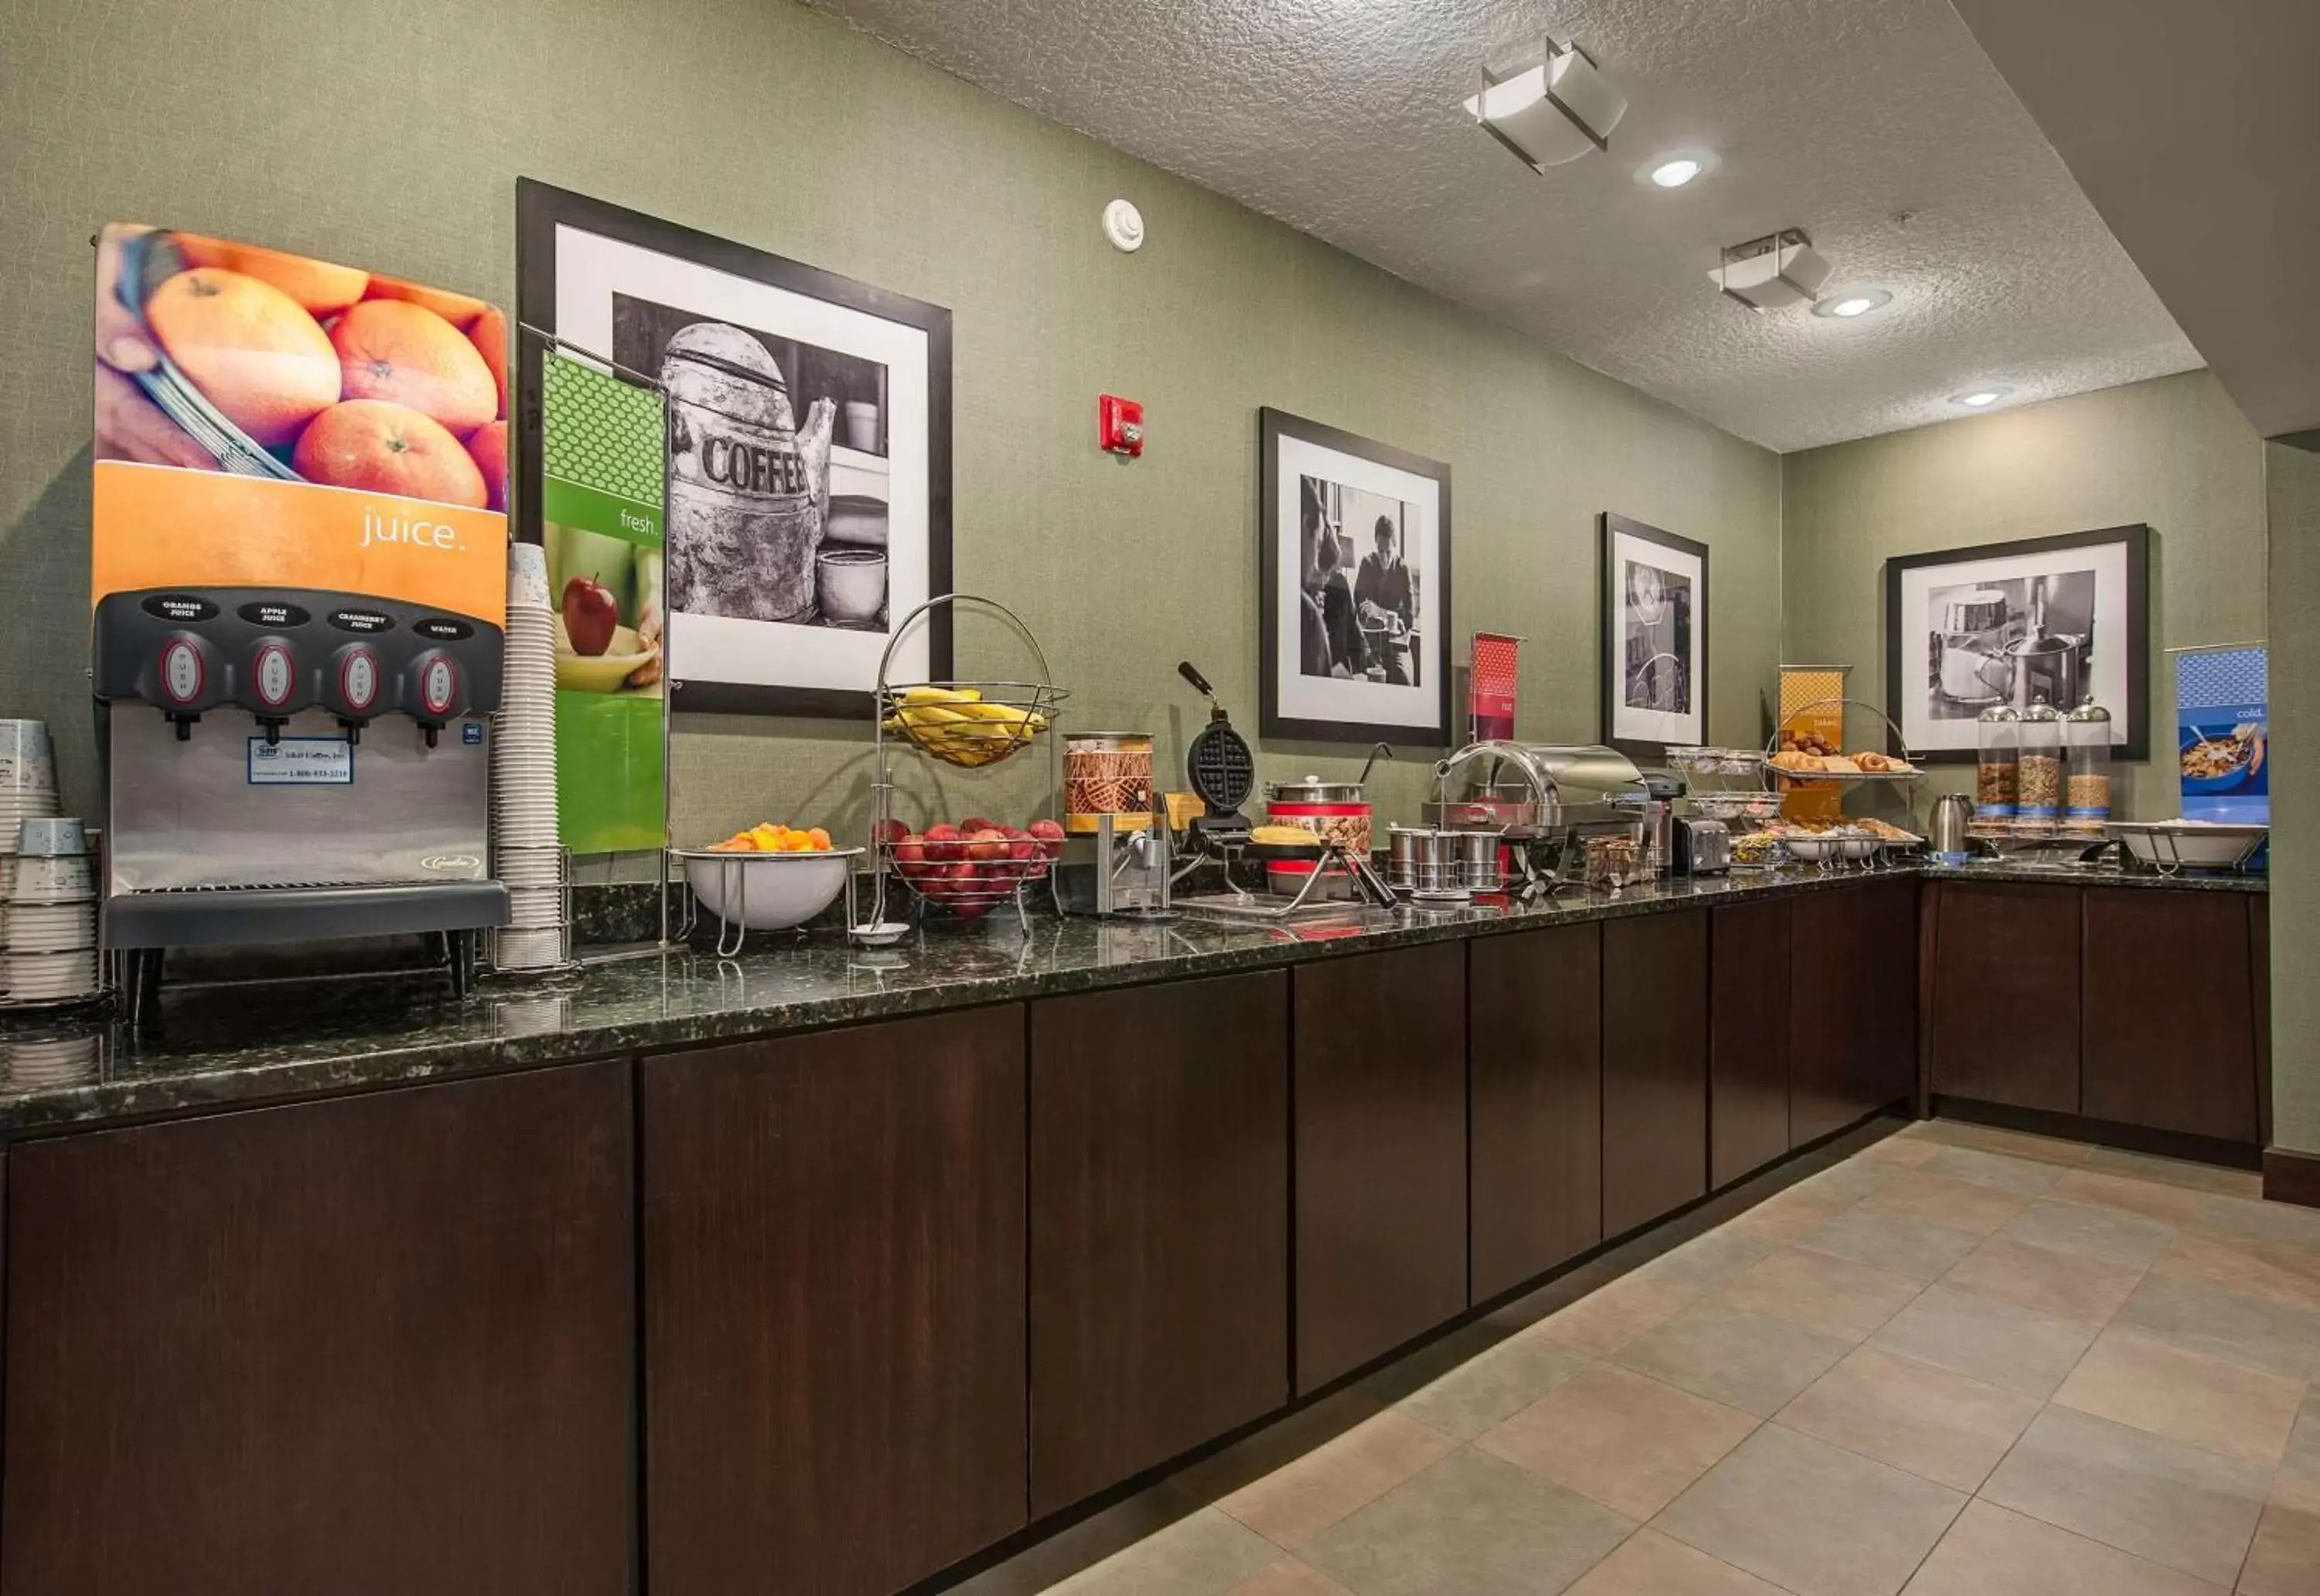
(1676, 168)
(1980, 398)
(1852, 302)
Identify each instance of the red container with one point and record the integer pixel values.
(1337, 812)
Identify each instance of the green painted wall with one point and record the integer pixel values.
(2172, 453)
(395, 143)
(2292, 488)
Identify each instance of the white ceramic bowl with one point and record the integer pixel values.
(1814, 848)
(767, 891)
(2192, 844)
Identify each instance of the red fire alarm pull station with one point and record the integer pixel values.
(1120, 426)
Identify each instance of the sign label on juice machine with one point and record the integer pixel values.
(302, 762)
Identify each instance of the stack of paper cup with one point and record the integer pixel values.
(48, 920)
(525, 853)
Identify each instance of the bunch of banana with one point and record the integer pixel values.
(956, 724)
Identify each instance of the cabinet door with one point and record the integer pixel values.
(1853, 1004)
(1380, 1119)
(1748, 1040)
(1159, 1224)
(2006, 993)
(2171, 1000)
(1534, 1032)
(1655, 1066)
(833, 1305)
(381, 1342)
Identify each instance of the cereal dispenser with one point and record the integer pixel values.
(2039, 791)
(2086, 769)
(1998, 771)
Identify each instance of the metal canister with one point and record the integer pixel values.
(1481, 864)
(746, 484)
(1420, 859)
(1107, 773)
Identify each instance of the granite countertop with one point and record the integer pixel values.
(264, 1043)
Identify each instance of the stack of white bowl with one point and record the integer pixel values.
(48, 920)
(525, 855)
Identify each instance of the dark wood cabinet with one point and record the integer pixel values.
(1159, 1189)
(2005, 1023)
(1853, 1004)
(1379, 1106)
(833, 1282)
(376, 1344)
(2170, 1004)
(1535, 1038)
(1747, 1039)
(1655, 1066)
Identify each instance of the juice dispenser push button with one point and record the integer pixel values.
(273, 683)
(355, 672)
(185, 673)
(438, 678)
(182, 675)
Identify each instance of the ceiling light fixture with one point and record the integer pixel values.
(1772, 273)
(1552, 112)
(1678, 168)
(1980, 398)
(1852, 302)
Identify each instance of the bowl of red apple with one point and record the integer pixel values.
(970, 867)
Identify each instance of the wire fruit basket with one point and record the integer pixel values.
(972, 725)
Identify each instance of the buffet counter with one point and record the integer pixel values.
(627, 1286)
(228, 1047)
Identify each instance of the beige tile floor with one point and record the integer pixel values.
(1958, 1361)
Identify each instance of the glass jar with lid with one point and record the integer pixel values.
(1997, 780)
(2086, 769)
(2038, 790)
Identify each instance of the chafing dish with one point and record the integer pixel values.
(1544, 800)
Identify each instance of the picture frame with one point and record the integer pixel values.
(810, 420)
(1956, 621)
(1354, 552)
(1651, 590)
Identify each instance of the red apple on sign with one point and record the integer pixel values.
(590, 616)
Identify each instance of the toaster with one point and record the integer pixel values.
(1702, 847)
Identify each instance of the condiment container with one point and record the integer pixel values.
(1107, 773)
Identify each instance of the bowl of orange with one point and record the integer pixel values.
(769, 877)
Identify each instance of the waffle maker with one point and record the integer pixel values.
(1220, 769)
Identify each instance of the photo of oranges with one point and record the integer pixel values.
(228, 357)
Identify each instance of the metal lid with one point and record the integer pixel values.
(2041, 711)
(2088, 711)
(1312, 789)
(1999, 712)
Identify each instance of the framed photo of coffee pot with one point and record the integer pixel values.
(810, 450)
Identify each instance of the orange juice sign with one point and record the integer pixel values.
(267, 420)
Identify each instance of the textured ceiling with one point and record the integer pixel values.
(1342, 117)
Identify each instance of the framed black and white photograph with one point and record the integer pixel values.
(808, 414)
(1655, 632)
(1354, 574)
(2056, 620)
